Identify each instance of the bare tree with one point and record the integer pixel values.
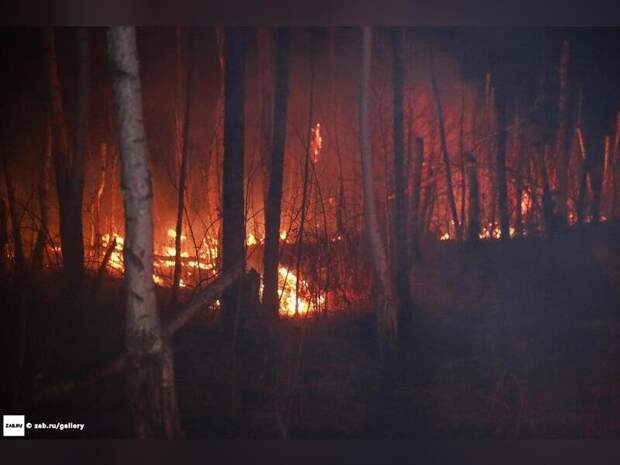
(273, 205)
(399, 224)
(444, 151)
(182, 180)
(18, 246)
(68, 163)
(474, 200)
(561, 150)
(43, 194)
(152, 394)
(387, 311)
(502, 186)
(233, 212)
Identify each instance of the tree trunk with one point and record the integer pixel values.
(151, 384)
(445, 153)
(418, 154)
(502, 187)
(387, 317)
(96, 205)
(399, 224)
(68, 169)
(176, 280)
(233, 213)
(4, 237)
(474, 200)
(561, 150)
(273, 205)
(44, 179)
(18, 245)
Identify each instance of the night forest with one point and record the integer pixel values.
(294, 233)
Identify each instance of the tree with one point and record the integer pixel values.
(152, 394)
(387, 311)
(474, 200)
(43, 191)
(233, 212)
(273, 205)
(399, 256)
(69, 163)
(184, 149)
(502, 187)
(561, 150)
(444, 150)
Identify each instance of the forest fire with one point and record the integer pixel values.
(291, 304)
(319, 209)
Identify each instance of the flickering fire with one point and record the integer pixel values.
(317, 142)
(291, 304)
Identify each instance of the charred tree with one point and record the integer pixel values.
(502, 185)
(444, 152)
(561, 150)
(387, 310)
(474, 199)
(152, 396)
(399, 225)
(18, 243)
(43, 195)
(68, 163)
(233, 214)
(418, 162)
(4, 236)
(273, 205)
(182, 180)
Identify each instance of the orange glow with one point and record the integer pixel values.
(317, 142)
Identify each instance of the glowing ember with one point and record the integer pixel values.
(251, 240)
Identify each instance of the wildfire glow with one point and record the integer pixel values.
(317, 142)
(291, 304)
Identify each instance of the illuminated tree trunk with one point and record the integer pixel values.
(399, 224)
(502, 186)
(182, 183)
(152, 395)
(68, 166)
(387, 311)
(273, 206)
(445, 153)
(561, 150)
(43, 194)
(233, 241)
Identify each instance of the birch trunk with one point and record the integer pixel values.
(151, 385)
(387, 318)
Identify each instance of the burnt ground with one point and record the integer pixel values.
(517, 339)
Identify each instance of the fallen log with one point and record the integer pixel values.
(203, 298)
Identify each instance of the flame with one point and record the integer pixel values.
(251, 240)
(289, 300)
(317, 142)
(291, 303)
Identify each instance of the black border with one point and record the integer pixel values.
(311, 12)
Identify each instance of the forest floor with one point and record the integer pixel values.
(517, 339)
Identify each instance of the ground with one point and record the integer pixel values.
(517, 339)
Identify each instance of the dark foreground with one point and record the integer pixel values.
(510, 340)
